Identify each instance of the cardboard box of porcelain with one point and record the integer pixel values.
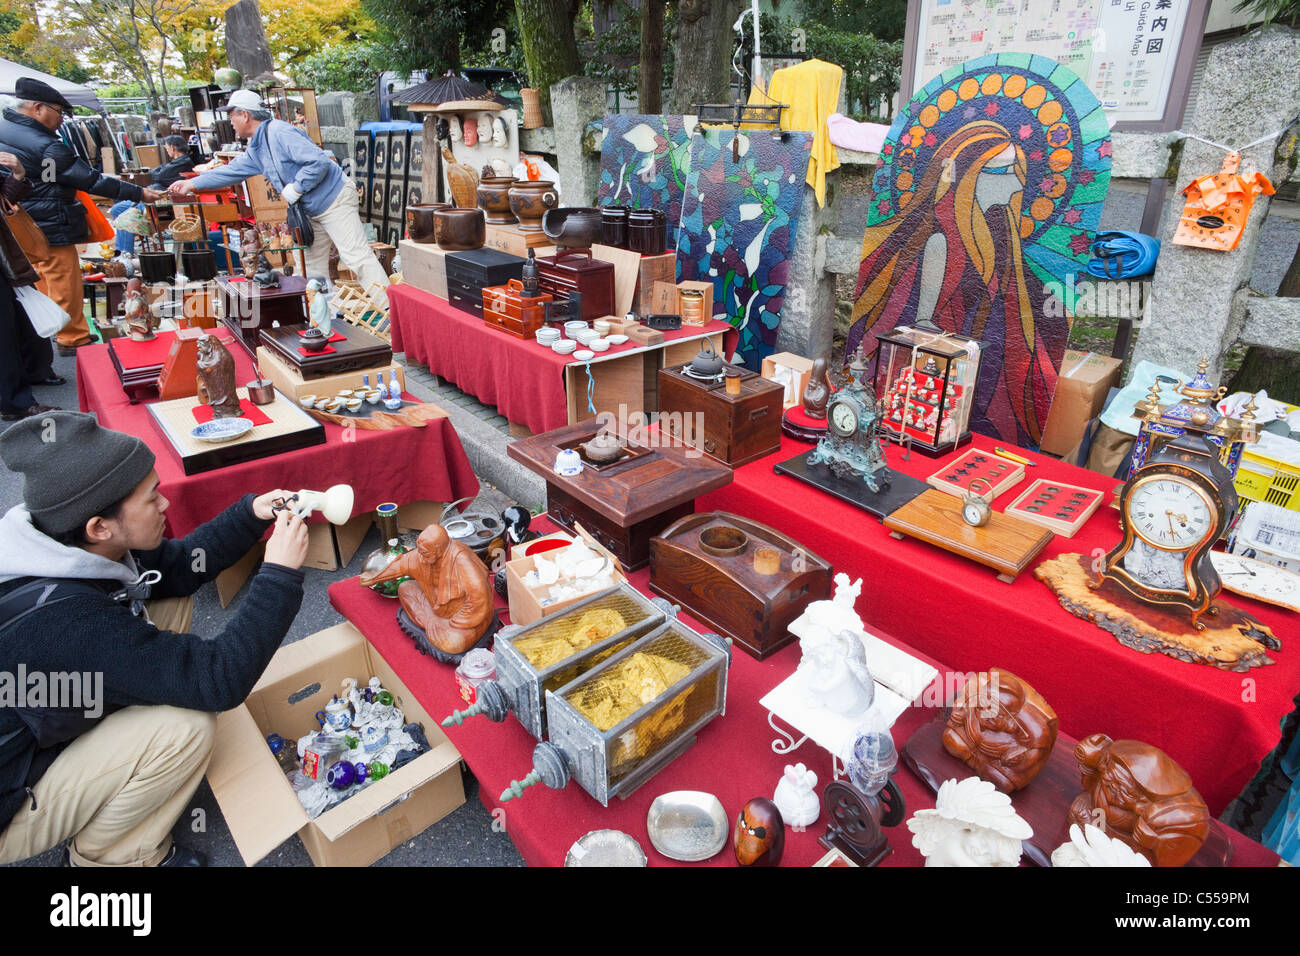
(526, 603)
(289, 380)
(260, 806)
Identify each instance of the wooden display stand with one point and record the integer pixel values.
(179, 375)
(358, 350)
(1006, 545)
(1045, 803)
(246, 308)
(289, 380)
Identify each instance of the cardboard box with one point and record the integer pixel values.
(260, 807)
(290, 381)
(418, 515)
(516, 242)
(653, 269)
(802, 366)
(267, 204)
(424, 266)
(526, 605)
(330, 547)
(1081, 390)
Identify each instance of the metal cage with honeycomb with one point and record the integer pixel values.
(625, 719)
(555, 650)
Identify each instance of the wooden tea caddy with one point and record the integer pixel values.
(624, 503)
(713, 566)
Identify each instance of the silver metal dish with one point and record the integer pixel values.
(605, 848)
(688, 825)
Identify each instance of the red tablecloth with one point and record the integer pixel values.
(1216, 723)
(523, 380)
(402, 465)
(732, 757)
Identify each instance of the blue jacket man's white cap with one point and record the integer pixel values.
(243, 100)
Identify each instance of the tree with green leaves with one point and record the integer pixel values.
(1273, 11)
(430, 34)
(550, 45)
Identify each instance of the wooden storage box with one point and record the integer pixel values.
(510, 239)
(359, 350)
(424, 266)
(574, 270)
(288, 378)
(507, 308)
(725, 591)
(732, 429)
(469, 271)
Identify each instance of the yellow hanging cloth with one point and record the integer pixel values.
(812, 91)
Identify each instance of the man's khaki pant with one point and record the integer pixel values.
(60, 274)
(119, 788)
(341, 223)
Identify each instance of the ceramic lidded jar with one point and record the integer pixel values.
(530, 201)
(572, 226)
(420, 222)
(460, 228)
(493, 195)
(613, 226)
(646, 231)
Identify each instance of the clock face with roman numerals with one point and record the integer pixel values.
(1169, 513)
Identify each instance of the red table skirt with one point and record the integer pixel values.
(402, 465)
(1216, 723)
(731, 758)
(523, 380)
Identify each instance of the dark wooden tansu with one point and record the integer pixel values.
(625, 503)
(359, 350)
(574, 270)
(246, 308)
(737, 429)
(471, 270)
(711, 565)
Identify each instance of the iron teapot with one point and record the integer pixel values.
(707, 363)
(602, 449)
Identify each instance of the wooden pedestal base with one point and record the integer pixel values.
(1045, 803)
(899, 491)
(1232, 639)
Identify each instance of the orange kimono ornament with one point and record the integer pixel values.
(1218, 205)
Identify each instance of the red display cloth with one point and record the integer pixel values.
(143, 354)
(403, 464)
(798, 416)
(203, 413)
(523, 380)
(732, 757)
(1217, 724)
(325, 351)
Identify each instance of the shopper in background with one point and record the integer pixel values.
(178, 162)
(303, 173)
(57, 173)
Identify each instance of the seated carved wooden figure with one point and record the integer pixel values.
(448, 597)
(1145, 799)
(1001, 728)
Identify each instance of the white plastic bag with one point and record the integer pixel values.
(45, 315)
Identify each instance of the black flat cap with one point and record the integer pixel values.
(30, 88)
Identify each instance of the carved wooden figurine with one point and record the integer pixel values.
(1145, 799)
(449, 597)
(1001, 728)
(216, 379)
(759, 836)
(817, 392)
(250, 249)
(140, 322)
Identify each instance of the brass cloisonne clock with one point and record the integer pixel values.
(852, 443)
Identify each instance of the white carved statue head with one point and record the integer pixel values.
(972, 824)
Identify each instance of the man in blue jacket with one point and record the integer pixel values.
(303, 173)
(112, 759)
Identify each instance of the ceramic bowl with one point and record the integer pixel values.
(345, 393)
(598, 345)
(354, 404)
(373, 396)
(564, 346)
(585, 336)
(601, 326)
(583, 355)
(306, 401)
(616, 339)
(222, 429)
(321, 403)
(334, 405)
(548, 337)
(572, 326)
(392, 404)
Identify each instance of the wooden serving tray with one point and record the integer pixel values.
(1006, 545)
(359, 350)
(726, 592)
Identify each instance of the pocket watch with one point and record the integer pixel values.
(976, 510)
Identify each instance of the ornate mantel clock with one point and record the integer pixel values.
(852, 443)
(1174, 507)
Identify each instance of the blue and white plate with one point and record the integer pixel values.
(222, 429)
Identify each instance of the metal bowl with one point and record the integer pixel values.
(688, 825)
(605, 848)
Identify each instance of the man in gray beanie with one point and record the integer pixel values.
(78, 559)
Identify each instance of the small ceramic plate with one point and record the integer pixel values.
(688, 825)
(564, 346)
(605, 848)
(598, 345)
(221, 429)
(616, 339)
(583, 355)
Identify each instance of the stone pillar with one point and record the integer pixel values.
(575, 102)
(246, 47)
(1198, 297)
(808, 315)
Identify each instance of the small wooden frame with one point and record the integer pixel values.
(955, 477)
(1056, 506)
(1005, 544)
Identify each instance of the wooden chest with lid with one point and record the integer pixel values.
(507, 308)
(575, 270)
(469, 271)
(733, 429)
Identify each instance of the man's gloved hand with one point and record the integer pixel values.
(291, 194)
